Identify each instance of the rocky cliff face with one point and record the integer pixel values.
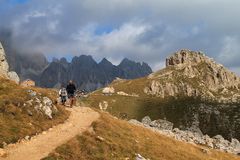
(88, 74)
(4, 67)
(193, 74)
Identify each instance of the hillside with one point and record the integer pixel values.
(113, 139)
(25, 112)
(193, 92)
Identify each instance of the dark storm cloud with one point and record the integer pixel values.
(138, 29)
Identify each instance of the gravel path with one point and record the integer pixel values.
(41, 145)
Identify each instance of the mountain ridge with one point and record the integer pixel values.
(84, 70)
(88, 74)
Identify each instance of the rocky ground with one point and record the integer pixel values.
(165, 127)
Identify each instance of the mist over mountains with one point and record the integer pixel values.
(83, 70)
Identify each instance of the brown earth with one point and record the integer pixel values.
(41, 145)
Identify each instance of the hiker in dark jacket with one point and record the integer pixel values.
(71, 88)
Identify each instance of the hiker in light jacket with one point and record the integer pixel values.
(63, 94)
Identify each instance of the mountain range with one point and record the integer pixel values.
(83, 70)
(88, 74)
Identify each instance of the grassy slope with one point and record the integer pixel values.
(122, 140)
(15, 122)
(135, 107)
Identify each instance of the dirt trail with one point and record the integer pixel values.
(41, 145)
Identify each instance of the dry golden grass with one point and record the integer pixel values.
(123, 140)
(15, 122)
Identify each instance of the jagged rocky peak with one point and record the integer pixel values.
(194, 74)
(85, 60)
(134, 69)
(105, 62)
(63, 60)
(185, 56)
(126, 61)
(198, 64)
(4, 67)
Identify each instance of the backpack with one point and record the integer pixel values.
(63, 92)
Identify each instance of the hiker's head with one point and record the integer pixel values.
(70, 82)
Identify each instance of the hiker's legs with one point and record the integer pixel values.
(71, 102)
(71, 99)
(64, 100)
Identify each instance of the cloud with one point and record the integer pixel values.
(230, 51)
(138, 29)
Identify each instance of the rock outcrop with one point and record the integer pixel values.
(166, 128)
(103, 105)
(4, 67)
(42, 104)
(108, 90)
(193, 74)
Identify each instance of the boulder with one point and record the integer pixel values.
(14, 77)
(108, 90)
(162, 124)
(146, 120)
(47, 101)
(208, 141)
(121, 93)
(45, 106)
(235, 143)
(220, 143)
(140, 157)
(103, 105)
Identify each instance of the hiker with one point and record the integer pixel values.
(71, 88)
(63, 94)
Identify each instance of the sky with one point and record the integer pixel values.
(141, 30)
